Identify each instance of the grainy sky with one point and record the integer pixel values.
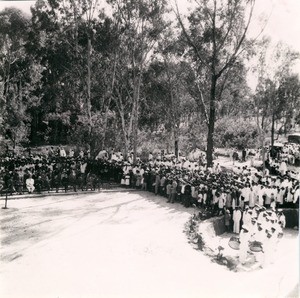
(283, 24)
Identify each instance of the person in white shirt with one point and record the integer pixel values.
(273, 202)
(266, 172)
(289, 197)
(221, 202)
(246, 194)
(260, 196)
(237, 215)
(279, 197)
(81, 154)
(281, 219)
(30, 184)
(283, 168)
(244, 244)
(253, 227)
(217, 168)
(270, 246)
(62, 152)
(71, 153)
(247, 216)
(251, 198)
(101, 155)
(150, 156)
(296, 195)
(260, 236)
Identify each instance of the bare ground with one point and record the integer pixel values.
(121, 244)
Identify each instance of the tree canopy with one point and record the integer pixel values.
(124, 76)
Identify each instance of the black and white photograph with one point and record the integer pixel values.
(149, 148)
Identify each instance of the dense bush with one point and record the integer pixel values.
(236, 133)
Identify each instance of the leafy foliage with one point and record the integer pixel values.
(126, 78)
(232, 132)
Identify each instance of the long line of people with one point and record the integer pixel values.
(213, 188)
(184, 181)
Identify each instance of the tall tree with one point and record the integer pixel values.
(20, 76)
(272, 101)
(288, 93)
(68, 36)
(141, 23)
(216, 39)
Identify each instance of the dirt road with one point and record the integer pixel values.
(119, 244)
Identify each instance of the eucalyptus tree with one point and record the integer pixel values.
(64, 35)
(141, 23)
(20, 76)
(167, 107)
(216, 38)
(274, 101)
(288, 93)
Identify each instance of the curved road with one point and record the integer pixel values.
(120, 244)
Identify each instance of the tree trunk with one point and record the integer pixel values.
(136, 99)
(108, 104)
(89, 113)
(135, 136)
(56, 131)
(211, 123)
(176, 144)
(263, 153)
(272, 130)
(105, 125)
(126, 148)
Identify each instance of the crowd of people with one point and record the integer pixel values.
(178, 180)
(55, 170)
(251, 200)
(190, 183)
(288, 152)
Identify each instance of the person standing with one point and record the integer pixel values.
(237, 215)
(252, 197)
(71, 153)
(228, 203)
(296, 196)
(162, 187)
(283, 168)
(269, 246)
(173, 191)
(245, 193)
(247, 216)
(168, 190)
(244, 153)
(186, 197)
(260, 236)
(221, 202)
(289, 198)
(235, 156)
(62, 152)
(273, 202)
(30, 184)
(281, 219)
(138, 181)
(157, 183)
(227, 218)
(279, 197)
(244, 244)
